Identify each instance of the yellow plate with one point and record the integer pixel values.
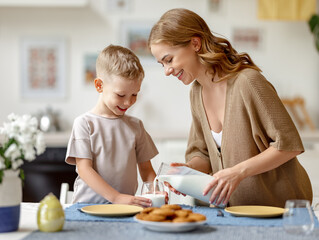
(112, 210)
(255, 211)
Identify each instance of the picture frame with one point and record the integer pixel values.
(248, 38)
(90, 67)
(43, 68)
(134, 35)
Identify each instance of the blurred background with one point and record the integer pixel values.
(47, 63)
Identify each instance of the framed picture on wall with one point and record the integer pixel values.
(134, 35)
(89, 68)
(43, 68)
(248, 38)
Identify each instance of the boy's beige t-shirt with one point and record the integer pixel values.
(115, 146)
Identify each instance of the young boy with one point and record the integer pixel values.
(105, 144)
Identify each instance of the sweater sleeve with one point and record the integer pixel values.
(269, 118)
(196, 143)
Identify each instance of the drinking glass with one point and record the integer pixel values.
(155, 192)
(298, 217)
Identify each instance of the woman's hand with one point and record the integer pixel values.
(225, 182)
(132, 200)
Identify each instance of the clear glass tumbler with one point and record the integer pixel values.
(298, 217)
(155, 192)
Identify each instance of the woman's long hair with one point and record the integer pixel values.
(176, 28)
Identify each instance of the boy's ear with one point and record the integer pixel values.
(98, 83)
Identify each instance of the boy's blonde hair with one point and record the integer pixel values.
(119, 61)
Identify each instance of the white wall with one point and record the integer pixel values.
(288, 57)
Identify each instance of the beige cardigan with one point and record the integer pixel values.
(255, 119)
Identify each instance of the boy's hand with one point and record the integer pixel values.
(133, 200)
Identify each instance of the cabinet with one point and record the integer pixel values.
(46, 173)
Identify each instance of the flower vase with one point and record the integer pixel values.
(10, 199)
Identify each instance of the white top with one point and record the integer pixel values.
(116, 146)
(218, 138)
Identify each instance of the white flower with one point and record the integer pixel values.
(17, 164)
(29, 153)
(22, 141)
(12, 117)
(13, 152)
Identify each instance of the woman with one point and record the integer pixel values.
(241, 133)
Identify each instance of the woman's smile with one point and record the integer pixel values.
(180, 74)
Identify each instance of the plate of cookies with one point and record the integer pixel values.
(170, 218)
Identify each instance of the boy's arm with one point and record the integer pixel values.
(146, 171)
(100, 186)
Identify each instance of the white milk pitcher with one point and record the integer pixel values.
(186, 180)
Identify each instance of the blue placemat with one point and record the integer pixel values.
(231, 220)
(73, 213)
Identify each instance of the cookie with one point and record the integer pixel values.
(148, 210)
(171, 206)
(183, 212)
(154, 218)
(169, 213)
(197, 217)
(164, 212)
(140, 216)
(182, 219)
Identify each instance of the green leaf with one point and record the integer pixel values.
(22, 176)
(7, 162)
(313, 22)
(1, 175)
